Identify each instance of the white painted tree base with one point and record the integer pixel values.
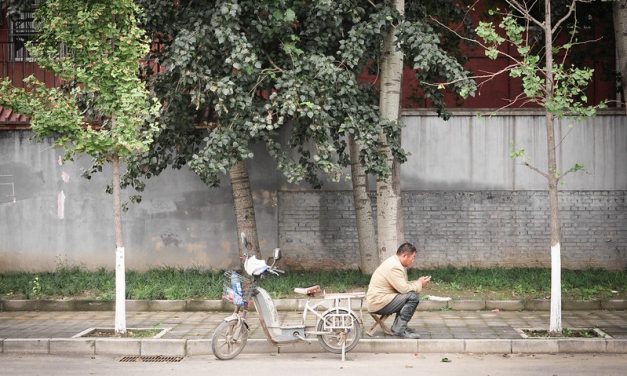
(555, 325)
(120, 292)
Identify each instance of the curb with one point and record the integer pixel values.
(192, 347)
(298, 304)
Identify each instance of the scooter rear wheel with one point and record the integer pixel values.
(229, 339)
(332, 342)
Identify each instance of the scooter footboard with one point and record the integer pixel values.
(269, 320)
(287, 334)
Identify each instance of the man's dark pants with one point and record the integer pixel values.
(404, 305)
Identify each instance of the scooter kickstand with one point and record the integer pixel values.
(344, 350)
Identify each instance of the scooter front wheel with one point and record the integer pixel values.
(341, 328)
(229, 339)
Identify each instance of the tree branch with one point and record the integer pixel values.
(563, 138)
(533, 168)
(572, 36)
(474, 40)
(525, 12)
(513, 101)
(571, 9)
(579, 43)
(274, 64)
(575, 169)
(488, 76)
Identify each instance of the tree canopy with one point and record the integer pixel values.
(245, 69)
(103, 107)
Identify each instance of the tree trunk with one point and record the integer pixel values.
(620, 30)
(244, 209)
(555, 326)
(368, 255)
(389, 210)
(120, 278)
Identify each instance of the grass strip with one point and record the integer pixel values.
(173, 283)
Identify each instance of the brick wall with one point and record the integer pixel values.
(478, 228)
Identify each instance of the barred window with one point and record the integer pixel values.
(22, 29)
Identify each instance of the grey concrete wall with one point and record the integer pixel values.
(472, 153)
(49, 215)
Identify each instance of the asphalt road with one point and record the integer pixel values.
(326, 364)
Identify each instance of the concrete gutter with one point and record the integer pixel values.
(298, 304)
(191, 347)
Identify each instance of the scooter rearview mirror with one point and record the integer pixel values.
(277, 254)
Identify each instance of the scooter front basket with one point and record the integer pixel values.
(236, 288)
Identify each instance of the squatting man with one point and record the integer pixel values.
(390, 291)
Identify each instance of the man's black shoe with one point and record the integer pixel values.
(407, 334)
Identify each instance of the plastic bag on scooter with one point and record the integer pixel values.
(233, 291)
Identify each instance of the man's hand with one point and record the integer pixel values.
(424, 280)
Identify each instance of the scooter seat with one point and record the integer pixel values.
(311, 291)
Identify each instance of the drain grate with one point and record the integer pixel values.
(156, 358)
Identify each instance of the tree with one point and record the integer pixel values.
(388, 36)
(554, 84)
(389, 209)
(104, 47)
(280, 73)
(247, 71)
(366, 235)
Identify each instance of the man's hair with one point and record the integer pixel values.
(405, 248)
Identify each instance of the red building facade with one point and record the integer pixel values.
(16, 64)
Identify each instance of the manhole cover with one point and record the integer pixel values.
(156, 358)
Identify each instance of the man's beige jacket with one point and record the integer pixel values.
(389, 280)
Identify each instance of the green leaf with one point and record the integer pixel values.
(492, 53)
(290, 15)
(517, 153)
(576, 167)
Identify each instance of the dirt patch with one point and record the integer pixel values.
(130, 333)
(566, 333)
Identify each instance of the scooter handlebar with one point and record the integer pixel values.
(275, 271)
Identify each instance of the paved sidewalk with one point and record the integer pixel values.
(189, 333)
(200, 325)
